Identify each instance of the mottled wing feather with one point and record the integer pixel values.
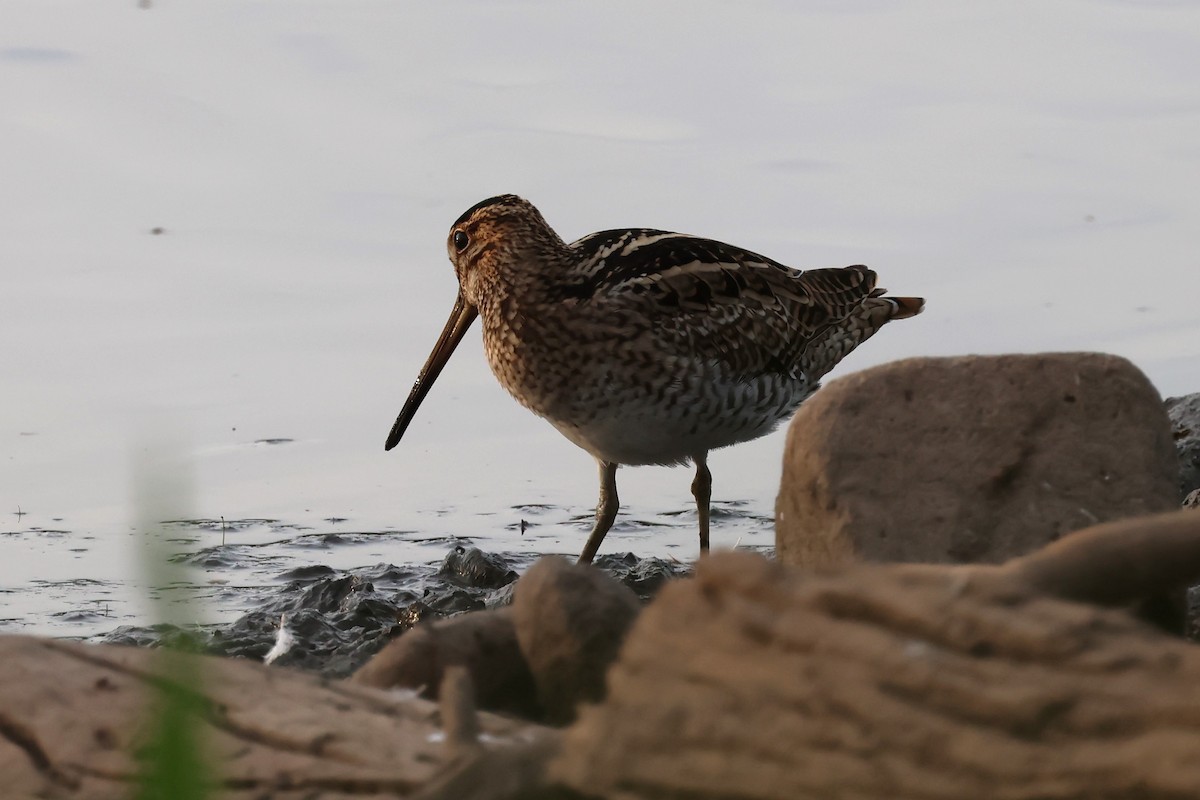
(723, 303)
(840, 290)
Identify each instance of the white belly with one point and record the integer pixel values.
(640, 430)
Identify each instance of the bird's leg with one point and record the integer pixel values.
(606, 511)
(702, 491)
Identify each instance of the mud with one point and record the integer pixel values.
(334, 620)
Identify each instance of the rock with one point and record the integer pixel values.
(755, 680)
(645, 576)
(971, 459)
(482, 642)
(499, 598)
(75, 721)
(570, 622)
(476, 569)
(1185, 427)
(1192, 500)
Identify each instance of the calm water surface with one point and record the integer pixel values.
(222, 248)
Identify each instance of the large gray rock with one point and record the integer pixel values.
(1185, 427)
(971, 459)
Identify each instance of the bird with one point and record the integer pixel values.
(643, 346)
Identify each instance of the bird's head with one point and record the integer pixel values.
(495, 245)
(497, 242)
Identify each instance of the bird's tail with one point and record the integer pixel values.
(832, 344)
(905, 307)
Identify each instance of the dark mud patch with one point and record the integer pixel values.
(331, 621)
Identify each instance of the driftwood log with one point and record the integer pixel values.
(756, 681)
(74, 717)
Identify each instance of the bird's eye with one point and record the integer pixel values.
(460, 241)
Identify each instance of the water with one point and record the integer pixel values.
(222, 227)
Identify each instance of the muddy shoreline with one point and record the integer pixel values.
(335, 620)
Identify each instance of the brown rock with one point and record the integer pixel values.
(971, 459)
(483, 642)
(755, 680)
(570, 621)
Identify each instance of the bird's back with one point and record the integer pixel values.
(673, 344)
(725, 304)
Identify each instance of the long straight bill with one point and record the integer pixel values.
(460, 320)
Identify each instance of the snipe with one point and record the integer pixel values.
(643, 346)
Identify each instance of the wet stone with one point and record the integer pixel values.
(454, 601)
(644, 575)
(498, 598)
(148, 636)
(1192, 621)
(333, 594)
(476, 569)
(309, 573)
(1184, 413)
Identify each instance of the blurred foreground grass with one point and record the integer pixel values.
(172, 755)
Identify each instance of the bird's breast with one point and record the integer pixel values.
(628, 398)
